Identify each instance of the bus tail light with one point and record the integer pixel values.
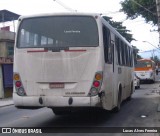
(21, 91)
(96, 85)
(18, 85)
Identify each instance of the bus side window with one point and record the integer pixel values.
(107, 45)
(118, 50)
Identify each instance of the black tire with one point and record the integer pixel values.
(118, 107)
(61, 111)
(130, 97)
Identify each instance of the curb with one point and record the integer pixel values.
(158, 107)
(6, 105)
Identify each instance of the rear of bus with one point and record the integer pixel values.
(57, 62)
(145, 70)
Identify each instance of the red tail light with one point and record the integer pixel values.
(96, 84)
(18, 84)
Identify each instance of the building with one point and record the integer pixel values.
(6, 62)
(7, 39)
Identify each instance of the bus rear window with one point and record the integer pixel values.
(58, 31)
(143, 64)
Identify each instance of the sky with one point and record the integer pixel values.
(141, 31)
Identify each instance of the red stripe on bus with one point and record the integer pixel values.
(74, 50)
(37, 51)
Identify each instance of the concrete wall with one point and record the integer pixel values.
(3, 49)
(6, 35)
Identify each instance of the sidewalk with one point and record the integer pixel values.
(6, 102)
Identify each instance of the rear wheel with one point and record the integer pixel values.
(139, 86)
(118, 107)
(130, 96)
(61, 111)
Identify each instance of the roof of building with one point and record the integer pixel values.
(6, 15)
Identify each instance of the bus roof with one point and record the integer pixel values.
(145, 60)
(60, 14)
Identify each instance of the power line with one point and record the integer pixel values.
(143, 7)
(148, 51)
(65, 6)
(152, 45)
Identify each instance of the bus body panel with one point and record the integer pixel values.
(38, 69)
(71, 68)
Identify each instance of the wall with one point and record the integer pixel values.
(1, 83)
(6, 35)
(3, 49)
(6, 41)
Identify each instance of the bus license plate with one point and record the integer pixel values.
(56, 85)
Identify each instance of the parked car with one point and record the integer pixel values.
(136, 81)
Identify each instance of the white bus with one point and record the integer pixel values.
(68, 61)
(145, 69)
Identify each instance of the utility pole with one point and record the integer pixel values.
(153, 54)
(158, 13)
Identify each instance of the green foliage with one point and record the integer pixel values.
(155, 59)
(144, 8)
(135, 52)
(139, 57)
(120, 28)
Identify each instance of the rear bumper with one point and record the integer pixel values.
(55, 101)
(144, 79)
(135, 83)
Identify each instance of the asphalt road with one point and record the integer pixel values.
(141, 111)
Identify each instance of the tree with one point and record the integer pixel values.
(120, 28)
(124, 32)
(144, 8)
(135, 52)
(155, 59)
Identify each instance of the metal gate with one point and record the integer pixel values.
(7, 70)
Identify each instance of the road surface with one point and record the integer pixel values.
(141, 111)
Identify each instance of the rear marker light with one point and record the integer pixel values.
(98, 76)
(16, 77)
